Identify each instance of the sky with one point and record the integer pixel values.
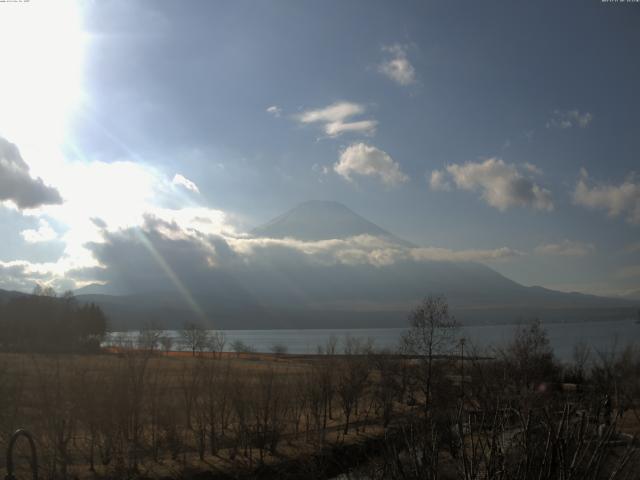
(500, 132)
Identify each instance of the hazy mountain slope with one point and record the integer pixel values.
(364, 296)
(6, 295)
(322, 220)
(170, 310)
(98, 289)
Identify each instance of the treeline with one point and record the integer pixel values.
(45, 322)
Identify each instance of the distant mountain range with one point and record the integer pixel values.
(300, 294)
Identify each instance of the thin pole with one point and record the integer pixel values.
(462, 341)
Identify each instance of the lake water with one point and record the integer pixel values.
(600, 336)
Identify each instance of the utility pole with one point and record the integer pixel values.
(462, 342)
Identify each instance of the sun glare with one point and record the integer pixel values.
(41, 46)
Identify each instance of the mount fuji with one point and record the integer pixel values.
(317, 220)
(285, 290)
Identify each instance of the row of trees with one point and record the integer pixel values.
(45, 322)
(192, 337)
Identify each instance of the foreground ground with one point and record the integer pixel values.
(132, 413)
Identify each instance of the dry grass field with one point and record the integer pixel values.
(157, 415)
(134, 413)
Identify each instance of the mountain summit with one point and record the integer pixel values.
(322, 220)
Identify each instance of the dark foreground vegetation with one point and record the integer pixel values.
(44, 322)
(436, 408)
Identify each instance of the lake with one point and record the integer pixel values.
(600, 336)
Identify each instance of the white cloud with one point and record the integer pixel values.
(500, 184)
(437, 181)
(472, 255)
(183, 181)
(532, 168)
(632, 248)
(17, 185)
(569, 118)
(366, 160)
(336, 112)
(630, 271)
(365, 250)
(322, 169)
(274, 110)
(44, 233)
(566, 248)
(397, 67)
(335, 129)
(356, 250)
(334, 119)
(623, 199)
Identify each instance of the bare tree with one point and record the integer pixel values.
(432, 332)
(576, 372)
(156, 389)
(167, 343)
(529, 358)
(279, 349)
(217, 378)
(298, 404)
(330, 347)
(388, 385)
(269, 410)
(239, 347)
(217, 342)
(41, 290)
(122, 340)
(352, 377)
(149, 337)
(135, 395)
(58, 414)
(194, 337)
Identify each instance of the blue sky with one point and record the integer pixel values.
(526, 112)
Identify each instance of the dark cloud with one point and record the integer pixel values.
(156, 255)
(160, 256)
(20, 275)
(98, 222)
(17, 185)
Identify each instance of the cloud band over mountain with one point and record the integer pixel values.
(169, 245)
